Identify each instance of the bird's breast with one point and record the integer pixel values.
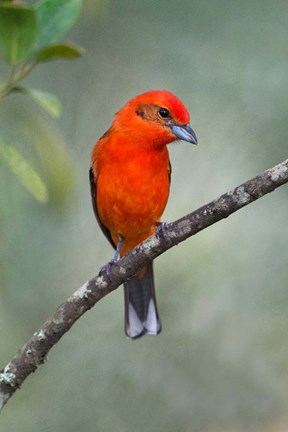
(132, 193)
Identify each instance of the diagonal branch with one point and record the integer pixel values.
(34, 352)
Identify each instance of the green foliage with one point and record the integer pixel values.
(23, 170)
(46, 100)
(55, 18)
(58, 51)
(30, 35)
(26, 31)
(17, 32)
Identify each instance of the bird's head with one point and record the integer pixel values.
(154, 119)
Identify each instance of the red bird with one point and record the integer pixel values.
(130, 181)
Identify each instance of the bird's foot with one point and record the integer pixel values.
(162, 231)
(107, 267)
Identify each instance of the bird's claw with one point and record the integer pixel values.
(106, 268)
(162, 231)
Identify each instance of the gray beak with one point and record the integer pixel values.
(184, 133)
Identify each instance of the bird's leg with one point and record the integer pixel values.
(107, 267)
(117, 251)
(162, 231)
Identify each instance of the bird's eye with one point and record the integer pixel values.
(164, 113)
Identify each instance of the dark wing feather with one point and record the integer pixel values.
(93, 188)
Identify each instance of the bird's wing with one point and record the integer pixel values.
(93, 188)
(169, 172)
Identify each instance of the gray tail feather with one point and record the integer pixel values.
(141, 314)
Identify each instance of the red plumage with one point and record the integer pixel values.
(130, 178)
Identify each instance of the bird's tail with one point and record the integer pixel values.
(141, 314)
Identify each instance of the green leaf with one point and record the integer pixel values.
(23, 170)
(66, 51)
(54, 157)
(55, 17)
(17, 31)
(46, 100)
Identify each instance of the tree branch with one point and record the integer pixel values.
(34, 352)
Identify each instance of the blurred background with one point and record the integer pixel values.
(221, 362)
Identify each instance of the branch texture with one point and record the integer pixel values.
(34, 352)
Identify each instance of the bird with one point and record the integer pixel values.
(130, 178)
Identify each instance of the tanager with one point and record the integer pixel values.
(130, 181)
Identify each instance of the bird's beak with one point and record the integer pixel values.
(185, 133)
